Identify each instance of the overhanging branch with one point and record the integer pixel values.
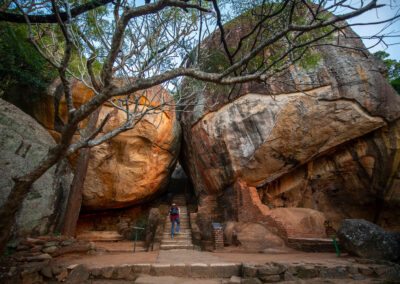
(52, 18)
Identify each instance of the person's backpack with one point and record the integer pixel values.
(174, 211)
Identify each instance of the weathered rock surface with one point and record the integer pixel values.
(131, 167)
(262, 137)
(23, 143)
(365, 239)
(363, 173)
(275, 136)
(251, 236)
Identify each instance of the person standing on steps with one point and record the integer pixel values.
(174, 215)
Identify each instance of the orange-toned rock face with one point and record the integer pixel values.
(129, 168)
(134, 165)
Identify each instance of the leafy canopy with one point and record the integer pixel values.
(20, 63)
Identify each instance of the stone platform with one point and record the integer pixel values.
(190, 266)
(314, 244)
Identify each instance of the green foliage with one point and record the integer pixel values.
(20, 63)
(392, 69)
(310, 60)
(7, 254)
(396, 84)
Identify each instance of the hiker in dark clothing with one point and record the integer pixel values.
(174, 215)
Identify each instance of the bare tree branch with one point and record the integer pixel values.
(52, 18)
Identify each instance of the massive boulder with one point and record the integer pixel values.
(133, 166)
(365, 239)
(275, 136)
(23, 143)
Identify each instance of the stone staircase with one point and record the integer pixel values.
(182, 240)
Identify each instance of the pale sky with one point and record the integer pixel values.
(391, 9)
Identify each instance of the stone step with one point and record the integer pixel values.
(168, 235)
(182, 218)
(181, 233)
(199, 271)
(174, 241)
(178, 237)
(148, 279)
(255, 273)
(177, 243)
(175, 246)
(181, 225)
(181, 230)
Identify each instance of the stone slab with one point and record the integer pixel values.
(141, 268)
(225, 270)
(160, 269)
(200, 270)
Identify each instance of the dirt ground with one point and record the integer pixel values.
(108, 259)
(120, 254)
(120, 246)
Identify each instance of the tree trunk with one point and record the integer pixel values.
(75, 193)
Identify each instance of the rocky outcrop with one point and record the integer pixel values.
(130, 168)
(363, 173)
(367, 240)
(272, 136)
(251, 236)
(23, 143)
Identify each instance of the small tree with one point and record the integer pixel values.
(119, 49)
(392, 69)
